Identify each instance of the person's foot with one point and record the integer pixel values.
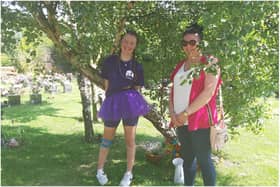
(101, 177)
(127, 179)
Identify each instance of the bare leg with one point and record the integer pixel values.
(109, 134)
(130, 132)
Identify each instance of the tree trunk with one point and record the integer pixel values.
(94, 103)
(86, 97)
(161, 124)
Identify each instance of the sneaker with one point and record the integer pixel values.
(127, 179)
(102, 178)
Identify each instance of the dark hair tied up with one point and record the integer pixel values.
(193, 29)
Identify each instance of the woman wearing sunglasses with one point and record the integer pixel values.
(188, 109)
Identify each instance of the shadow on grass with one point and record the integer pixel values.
(57, 159)
(28, 112)
(47, 159)
(68, 117)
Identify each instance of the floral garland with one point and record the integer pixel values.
(211, 66)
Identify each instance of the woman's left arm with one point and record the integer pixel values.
(203, 98)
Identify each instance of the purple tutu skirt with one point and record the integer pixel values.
(123, 105)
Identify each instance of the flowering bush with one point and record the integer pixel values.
(36, 89)
(36, 86)
(14, 90)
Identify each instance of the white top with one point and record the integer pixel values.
(181, 92)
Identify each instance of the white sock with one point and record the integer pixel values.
(128, 173)
(100, 171)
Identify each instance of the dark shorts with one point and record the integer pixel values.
(126, 122)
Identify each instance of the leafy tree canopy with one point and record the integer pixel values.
(243, 35)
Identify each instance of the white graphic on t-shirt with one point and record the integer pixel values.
(129, 74)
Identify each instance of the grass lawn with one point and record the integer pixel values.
(52, 150)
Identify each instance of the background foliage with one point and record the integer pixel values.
(243, 35)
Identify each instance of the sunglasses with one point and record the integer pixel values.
(191, 43)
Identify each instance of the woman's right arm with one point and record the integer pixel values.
(105, 69)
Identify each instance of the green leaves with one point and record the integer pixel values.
(243, 35)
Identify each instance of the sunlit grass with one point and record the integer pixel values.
(53, 152)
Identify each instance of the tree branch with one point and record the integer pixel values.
(73, 57)
(70, 54)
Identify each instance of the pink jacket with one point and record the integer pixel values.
(199, 119)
